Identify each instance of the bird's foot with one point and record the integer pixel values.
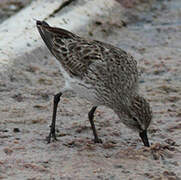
(97, 140)
(51, 135)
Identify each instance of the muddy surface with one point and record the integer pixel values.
(151, 33)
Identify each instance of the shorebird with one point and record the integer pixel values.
(102, 74)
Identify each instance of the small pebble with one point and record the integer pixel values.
(8, 151)
(16, 130)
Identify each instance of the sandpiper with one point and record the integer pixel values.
(101, 73)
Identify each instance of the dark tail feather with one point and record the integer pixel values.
(46, 36)
(41, 23)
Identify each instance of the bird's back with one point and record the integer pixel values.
(102, 65)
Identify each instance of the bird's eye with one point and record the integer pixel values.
(135, 119)
(137, 123)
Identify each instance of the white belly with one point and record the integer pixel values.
(79, 87)
(82, 90)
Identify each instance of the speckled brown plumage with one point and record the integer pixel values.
(101, 73)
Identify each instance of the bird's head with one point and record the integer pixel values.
(141, 115)
(138, 117)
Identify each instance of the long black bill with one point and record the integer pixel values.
(144, 138)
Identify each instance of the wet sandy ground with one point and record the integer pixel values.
(152, 35)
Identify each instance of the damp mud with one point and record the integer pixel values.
(151, 32)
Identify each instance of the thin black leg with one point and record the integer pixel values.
(91, 119)
(52, 126)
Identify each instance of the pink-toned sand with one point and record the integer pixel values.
(152, 36)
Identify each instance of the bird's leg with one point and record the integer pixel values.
(52, 126)
(91, 119)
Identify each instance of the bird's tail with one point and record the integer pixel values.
(45, 34)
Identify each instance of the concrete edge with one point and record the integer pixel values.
(19, 43)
